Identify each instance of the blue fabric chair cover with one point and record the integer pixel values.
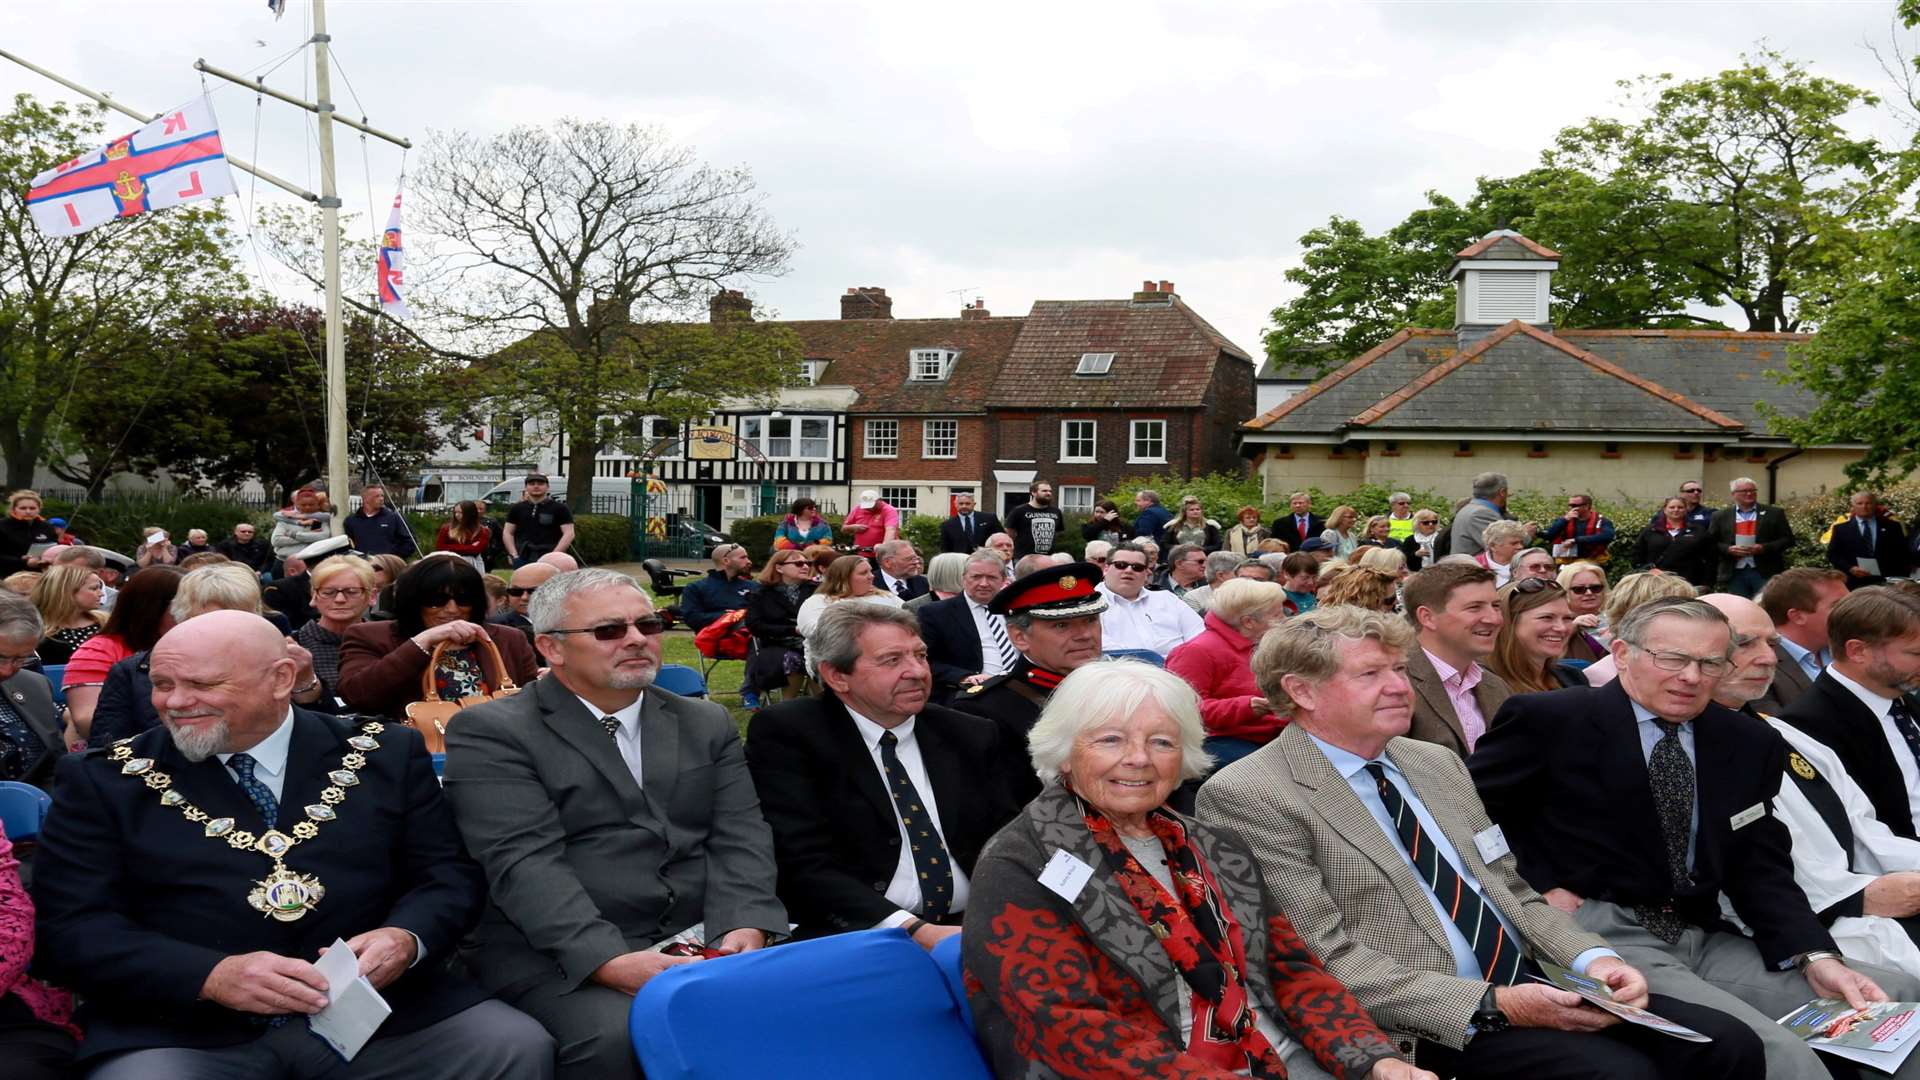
(1147, 655)
(869, 1003)
(680, 679)
(22, 808)
(946, 956)
(55, 673)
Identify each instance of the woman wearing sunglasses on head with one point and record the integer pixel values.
(1533, 640)
(438, 600)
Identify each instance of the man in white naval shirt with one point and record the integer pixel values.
(1859, 877)
(879, 801)
(1138, 617)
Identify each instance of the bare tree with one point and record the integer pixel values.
(576, 253)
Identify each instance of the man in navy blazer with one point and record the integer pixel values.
(962, 646)
(967, 530)
(188, 877)
(1868, 533)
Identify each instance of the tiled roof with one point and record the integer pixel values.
(871, 355)
(1485, 245)
(1164, 356)
(1531, 381)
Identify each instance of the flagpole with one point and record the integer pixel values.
(330, 223)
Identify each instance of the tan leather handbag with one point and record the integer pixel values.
(431, 714)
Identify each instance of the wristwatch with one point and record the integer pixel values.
(1805, 960)
(1488, 1017)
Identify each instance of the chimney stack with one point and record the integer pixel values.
(1166, 286)
(1148, 286)
(977, 311)
(729, 304)
(1154, 294)
(866, 302)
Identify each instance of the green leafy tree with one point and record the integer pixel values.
(572, 256)
(65, 301)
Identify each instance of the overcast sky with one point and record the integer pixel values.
(1014, 152)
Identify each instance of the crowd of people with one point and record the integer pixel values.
(1316, 797)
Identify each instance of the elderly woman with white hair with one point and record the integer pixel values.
(1503, 540)
(1108, 935)
(1218, 664)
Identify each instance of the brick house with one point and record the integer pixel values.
(1097, 391)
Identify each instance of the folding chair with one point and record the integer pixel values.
(1145, 655)
(681, 679)
(22, 808)
(56, 673)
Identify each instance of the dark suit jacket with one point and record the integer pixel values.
(954, 648)
(835, 829)
(1690, 554)
(916, 585)
(1434, 720)
(1846, 546)
(1563, 775)
(1789, 682)
(584, 864)
(1283, 529)
(380, 670)
(136, 904)
(1771, 531)
(954, 538)
(1832, 714)
(32, 697)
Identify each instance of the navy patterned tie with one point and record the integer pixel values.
(257, 793)
(930, 860)
(1671, 775)
(1499, 955)
(1903, 723)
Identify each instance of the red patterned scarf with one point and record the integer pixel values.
(1202, 938)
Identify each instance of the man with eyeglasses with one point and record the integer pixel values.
(1751, 539)
(1137, 617)
(1635, 805)
(30, 735)
(610, 816)
(1582, 534)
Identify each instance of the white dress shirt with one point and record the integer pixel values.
(1155, 621)
(990, 661)
(628, 737)
(269, 757)
(1882, 709)
(904, 890)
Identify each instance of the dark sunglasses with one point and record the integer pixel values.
(650, 625)
(1134, 567)
(1586, 590)
(516, 590)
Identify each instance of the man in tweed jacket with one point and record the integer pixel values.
(1313, 805)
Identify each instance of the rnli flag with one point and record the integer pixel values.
(393, 300)
(173, 160)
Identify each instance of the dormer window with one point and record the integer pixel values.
(810, 372)
(1094, 363)
(931, 365)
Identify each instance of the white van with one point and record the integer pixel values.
(505, 494)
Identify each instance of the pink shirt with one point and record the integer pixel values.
(873, 524)
(1460, 686)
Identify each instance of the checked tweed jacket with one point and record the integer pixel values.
(1352, 897)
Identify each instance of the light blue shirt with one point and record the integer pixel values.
(1811, 662)
(1651, 733)
(1354, 768)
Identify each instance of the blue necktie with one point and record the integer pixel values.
(929, 854)
(257, 793)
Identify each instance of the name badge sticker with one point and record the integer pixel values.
(1066, 875)
(1750, 815)
(1492, 844)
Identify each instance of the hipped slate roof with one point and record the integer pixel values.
(1164, 357)
(1531, 382)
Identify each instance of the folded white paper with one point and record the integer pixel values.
(355, 1010)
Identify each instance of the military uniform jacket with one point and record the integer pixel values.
(1013, 701)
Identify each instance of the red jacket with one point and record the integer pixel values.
(1219, 666)
(444, 541)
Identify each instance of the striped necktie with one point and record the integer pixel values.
(1498, 954)
(1001, 643)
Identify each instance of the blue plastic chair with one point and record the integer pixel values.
(56, 673)
(681, 679)
(1146, 655)
(862, 1004)
(946, 956)
(22, 808)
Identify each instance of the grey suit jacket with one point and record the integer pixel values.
(1789, 682)
(1468, 524)
(582, 863)
(1350, 894)
(1434, 719)
(32, 697)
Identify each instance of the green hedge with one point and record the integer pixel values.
(598, 539)
(118, 525)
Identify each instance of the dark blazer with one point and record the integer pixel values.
(954, 648)
(916, 585)
(954, 538)
(1563, 775)
(380, 670)
(1283, 529)
(583, 863)
(1846, 546)
(1789, 682)
(136, 904)
(835, 832)
(1689, 554)
(125, 707)
(32, 697)
(1434, 719)
(1771, 531)
(1441, 543)
(1832, 714)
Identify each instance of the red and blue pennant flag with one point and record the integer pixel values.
(175, 159)
(392, 266)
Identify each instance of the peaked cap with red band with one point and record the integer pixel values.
(1058, 592)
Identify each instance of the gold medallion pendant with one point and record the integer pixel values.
(286, 895)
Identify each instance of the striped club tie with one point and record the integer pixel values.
(1001, 643)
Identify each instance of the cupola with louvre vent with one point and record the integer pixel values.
(1501, 277)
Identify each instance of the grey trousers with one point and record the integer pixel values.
(1724, 971)
(490, 1041)
(589, 1027)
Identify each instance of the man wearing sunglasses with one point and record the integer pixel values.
(1699, 515)
(520, 594)
(1138, 617)
(1582, 534)
(1634, 806)
(610, 816)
